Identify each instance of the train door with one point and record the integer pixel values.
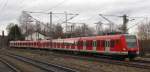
(98, 45)
(94, 45)
(107, 46)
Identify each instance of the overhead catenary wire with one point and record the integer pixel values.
(59, 19)
(135, 24)
(3, 7)
(127, 16)
(130, 19)
(55, 6)
(5, 4)
(21, 4)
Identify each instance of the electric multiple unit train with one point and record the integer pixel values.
(123, 45)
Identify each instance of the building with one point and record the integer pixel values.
(35, 36)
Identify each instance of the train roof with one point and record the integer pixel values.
(82, 38)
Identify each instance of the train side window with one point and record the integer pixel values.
(50, 43)
(112, 43)
(75, 43)
(80, 43)
(47, 43)
(117, 41)
(89, 43)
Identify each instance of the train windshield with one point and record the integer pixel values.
(131, 41)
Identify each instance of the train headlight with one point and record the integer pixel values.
(124, 49)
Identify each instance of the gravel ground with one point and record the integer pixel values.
(147, 59)
(81, 65)
(22, 66)
(5, 68)
(143, 58)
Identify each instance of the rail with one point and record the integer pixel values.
(137, 64)
(43, 65)
(9, 65)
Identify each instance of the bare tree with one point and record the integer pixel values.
(25, 20)
(58, 31)
(144, 31)
(144, 37)
(79, 31)
(38, 26)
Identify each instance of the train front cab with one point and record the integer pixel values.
(132, 46)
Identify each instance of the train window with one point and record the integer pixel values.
(112, 43)
(131, 41)
(117, 42)
(50, 43)
(89, 43)
(80, 43)
(47, 44)
(54, 44)
(36, 43)
(75, 43)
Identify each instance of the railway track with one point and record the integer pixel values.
(137, 63)
(142, 61)
(9, 65)
(140, 64)
(42, 65)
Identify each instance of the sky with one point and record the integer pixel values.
(88, 10)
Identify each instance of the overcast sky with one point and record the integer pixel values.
(88, 10)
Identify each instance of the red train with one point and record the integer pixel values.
(124, 45)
